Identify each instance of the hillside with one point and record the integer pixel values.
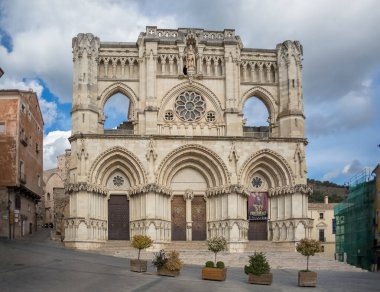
(336, 193)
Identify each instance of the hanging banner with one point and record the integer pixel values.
(258, 206)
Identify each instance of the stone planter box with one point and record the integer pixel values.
(214, 274)
(138, 265)
(162, 271)
(307, 279)
(264, 279)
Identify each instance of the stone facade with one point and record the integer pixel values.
(185, 138)
(21, 133)
(55, 200)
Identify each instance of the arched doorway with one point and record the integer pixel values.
(188, 205)
(257, 208)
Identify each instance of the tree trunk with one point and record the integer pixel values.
(307, 263)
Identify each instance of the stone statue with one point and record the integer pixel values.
(190, 58)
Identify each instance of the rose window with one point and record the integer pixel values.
(190, 106)
(118, 180)
(257, 182)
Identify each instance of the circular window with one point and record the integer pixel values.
(257, 182)
(118, 180)
(210, 117)
(169, 116)
(190, 106)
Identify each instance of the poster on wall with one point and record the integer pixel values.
(258, 206)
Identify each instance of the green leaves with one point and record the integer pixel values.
(308, 247)
(258, 264)
(217, 244)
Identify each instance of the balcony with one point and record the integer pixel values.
(22, 178)
(256, 132)
(118, 132)
(24, 140)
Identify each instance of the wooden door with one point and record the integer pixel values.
(198, 216)
(258, 230)
(178, 218)
(118, 218)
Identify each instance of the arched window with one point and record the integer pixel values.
(117, 114)
(256, 118)
(48, 196)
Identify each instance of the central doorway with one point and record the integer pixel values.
(118, 218)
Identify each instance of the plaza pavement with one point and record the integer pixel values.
(38, 264)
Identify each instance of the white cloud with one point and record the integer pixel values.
(42, 40)
(353, 167)
(55, 143)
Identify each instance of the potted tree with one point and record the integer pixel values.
(167, 264)
(215, 270)
(140, 242)
(258, 270)
(308, 247)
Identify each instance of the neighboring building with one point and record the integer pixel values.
(355, 223)
(55, 201)
(376, 171)
(185, 166)
(21, 134)
(1, 72)
(324, 225)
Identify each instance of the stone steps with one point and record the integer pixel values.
(279, 255)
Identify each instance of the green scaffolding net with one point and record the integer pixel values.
(355, 219)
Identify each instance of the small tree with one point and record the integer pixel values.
(308, 247)
(217, 244)
(258, 264)
(141, 242)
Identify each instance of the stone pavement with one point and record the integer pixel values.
(43, 265)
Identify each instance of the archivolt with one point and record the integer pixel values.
(117, 159)
(270, 165)
(265, 96)
(198, 157)
(194, 86)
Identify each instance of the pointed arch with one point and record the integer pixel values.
(117, 159)
(266, 97)
(271, 165)
(198, 157)
(122, 88)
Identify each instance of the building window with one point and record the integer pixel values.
(210, 117)
(169, 116)
(190, 106)
(48, 196)
(39, 180)
(322, 235)
(321, 215)
(2, 128)
(333, 226)
(18, 202)
(23, 108)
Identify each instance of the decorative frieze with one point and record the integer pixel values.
(285, 190)
(84, 186)
(153, 187)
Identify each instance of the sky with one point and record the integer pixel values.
(341, 66)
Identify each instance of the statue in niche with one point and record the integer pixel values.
(190, 58)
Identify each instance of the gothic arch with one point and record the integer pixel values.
(118, 87)
(208, 163)
(195, 86)
(117, 159)
(271, 165)
(265, 96)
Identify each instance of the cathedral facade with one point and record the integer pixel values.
(185, 166)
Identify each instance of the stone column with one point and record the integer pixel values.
(188, 196)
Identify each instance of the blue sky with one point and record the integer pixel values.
(341, 67)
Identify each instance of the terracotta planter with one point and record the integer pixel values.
(264, 279)
(162, 271)
(138, 265)
(307, 279)
(214, 274)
